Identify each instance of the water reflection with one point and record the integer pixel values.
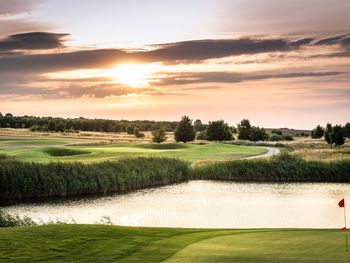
(206, 204)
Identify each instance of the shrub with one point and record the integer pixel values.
(288, 137)
(159, 135)
(275, 137)
(8, 220)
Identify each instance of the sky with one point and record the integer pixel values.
(278, 63)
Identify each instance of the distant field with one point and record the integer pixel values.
(30, 146)
(96, 243)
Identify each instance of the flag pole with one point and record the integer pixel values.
(346, 234)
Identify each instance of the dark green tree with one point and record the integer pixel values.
(218, 131)
(244, 130)
(328, 134)
(258, 134)
(130, 129)
(159, 135)
(202, 135)
(347, 130)
(317, 133)
(198, 125)
(184, 131)
(338, 135)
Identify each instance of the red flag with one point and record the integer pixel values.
(343, 229)
(341, 203)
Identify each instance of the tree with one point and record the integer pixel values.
(159, 135)
(328, 135)
(137, 133)
(347, 130)
(244, 130)
(198, 125)
(202, 135)
(219, 131)
(338, 135)
(258, 134)
(130, 129)
(317, 133)
(184, 131)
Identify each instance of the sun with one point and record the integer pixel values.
(133, 75)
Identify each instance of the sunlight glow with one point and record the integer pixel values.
(133, 75)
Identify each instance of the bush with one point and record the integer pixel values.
(8, 220)
(159, 135)
(275, 137)
(288, 137)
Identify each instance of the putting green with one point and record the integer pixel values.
(97, 243)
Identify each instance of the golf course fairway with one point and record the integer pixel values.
(101, 243)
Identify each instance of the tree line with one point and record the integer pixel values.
(333, 135)
(53, 124)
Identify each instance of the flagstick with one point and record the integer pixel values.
(346, 234)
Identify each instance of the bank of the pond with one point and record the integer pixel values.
(20, 180)
(97, 243)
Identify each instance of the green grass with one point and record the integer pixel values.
(97, 243)
(41, 149)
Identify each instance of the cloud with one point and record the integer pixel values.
(32, 41)
(197, 50)
(343, 40)
(229, 77)
(41, 63)
(71, 91)
(16, 6)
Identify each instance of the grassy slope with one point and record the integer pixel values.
(93, 243)
(36, 149)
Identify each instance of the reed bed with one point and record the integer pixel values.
(282, 168)
(20, 180)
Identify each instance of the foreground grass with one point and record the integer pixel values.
(96, 243)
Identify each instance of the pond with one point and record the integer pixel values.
(207, 204)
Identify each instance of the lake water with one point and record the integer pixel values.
(206, 204)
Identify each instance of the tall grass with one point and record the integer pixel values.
(282, 168)
(20, 180)
(9, 220)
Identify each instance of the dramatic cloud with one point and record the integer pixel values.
(32, 41)
(103, 58)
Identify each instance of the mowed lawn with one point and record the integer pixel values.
(67, 149)
(98, 243)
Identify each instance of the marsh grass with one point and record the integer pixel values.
(20, 180)
(282, 168)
